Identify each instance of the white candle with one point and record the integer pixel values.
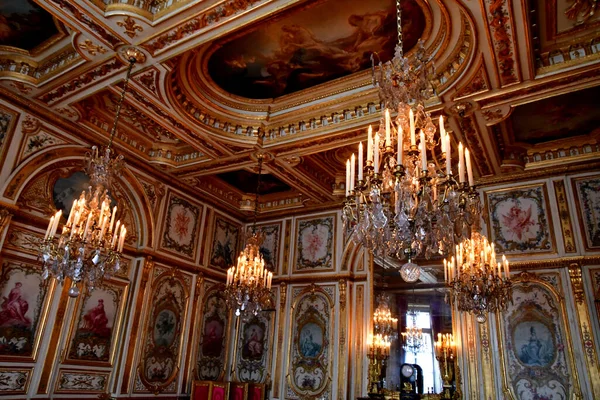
(445, 271)
(49, 229)
(112, 218)
(360, 161)
(448, 156)
(72, 213)
(370, 145)
(122, 240)
(87, 225)
(461, 163)
(352, 171)
(114, 239)
(388, 140)
(423, 150)
(469, 168)
(376, 153)
(442, 129)
(400, 134)
(413, 140)
(347, 178)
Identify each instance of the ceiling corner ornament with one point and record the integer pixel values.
(92, 48)
(581, 10)
(478, 82)
(406, 200)
(21, 87)
(90, 244)
(131, 27)
(500, 22)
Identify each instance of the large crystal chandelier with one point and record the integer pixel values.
(91, 241)
(412, 338)
(249, 282)
(383, 322)
(478, 282)
(406, 200)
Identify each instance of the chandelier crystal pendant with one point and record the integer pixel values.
(412, 339)
(248, 284)
(383, 323)
(478, 282)
(406, 200)
(90, 244)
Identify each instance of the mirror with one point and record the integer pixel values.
(421, 361)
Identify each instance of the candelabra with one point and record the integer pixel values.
(478, 283)
(406, 201)
(383, 322)
(249, 282)
(413, 336)
(378, 352)
(444, 353)
(89, 247)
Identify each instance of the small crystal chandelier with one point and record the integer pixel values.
(478, 283)
(90, 245)
(383, 322)
(249, 283)
(412, 338)
(407, 202)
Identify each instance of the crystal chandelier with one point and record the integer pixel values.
(406, 200)
(412, 338)
(249, 282)
(478, 283)
(383, 322)
(90, 244)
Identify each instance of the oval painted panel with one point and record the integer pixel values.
(311, 340)
(165, 328)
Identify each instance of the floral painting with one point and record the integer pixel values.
(253, 352)
(539, 360)
(520, 220)
(310, 352)
(269, 248)
(21, 306)
(162, 343)
(181, 226)
(315, 240)
(95, 334)
(587, 192)
(224, 244)
(211, 349)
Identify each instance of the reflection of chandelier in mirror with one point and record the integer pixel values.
(249, 282)
(383, 322)
(445, 353)
(412, 339)
(478, 283)
(89, 247)
(378, 350)
(407, 201)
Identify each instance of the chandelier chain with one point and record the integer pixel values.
(256, 195)
(399, 26)
(113, 130)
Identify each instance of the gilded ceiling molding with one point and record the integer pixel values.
(216, 14)
(130, 26)
(478, 82)
(569, 54)
(149, 80)
(91, 48)
(148, 9)
(24, 68)
(581, 10)
(501, 31)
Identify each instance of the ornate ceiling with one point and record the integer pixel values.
(224, 80)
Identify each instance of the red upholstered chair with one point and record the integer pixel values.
(201, 390)
(219, 391)
(256, 391)
(238, 391)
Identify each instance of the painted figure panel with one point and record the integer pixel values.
(587, 192)
(254, 348)
(212, 346)
(314, 243)
(24, 24)
(224, 244)
(269, 248)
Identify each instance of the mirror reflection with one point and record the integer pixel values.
(412, 351)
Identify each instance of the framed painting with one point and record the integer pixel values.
(539, 358)
(520, 220)
(7, 123)
(182, 227)
(224, 243)
(587, 198)
(315, 244)
(163, 338)
(81, 382)
(96, 330)
(254, 348)
(270, 245)
(23, 310)
(311, 352)
(213, 342)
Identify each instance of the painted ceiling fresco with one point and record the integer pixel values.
(246, 182)
(559, 117)
(24, 24)
(312, 45)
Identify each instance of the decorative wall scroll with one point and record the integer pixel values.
(181, 230)
(74, 381)
(23, 310)
(311, 354)
(212, 347)
(587, 196)
(315, 244)
(270, 245)
(538, 361)
(520, 220)
(224, 243)
(159, 364)
(95, 332)
(254, 348)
